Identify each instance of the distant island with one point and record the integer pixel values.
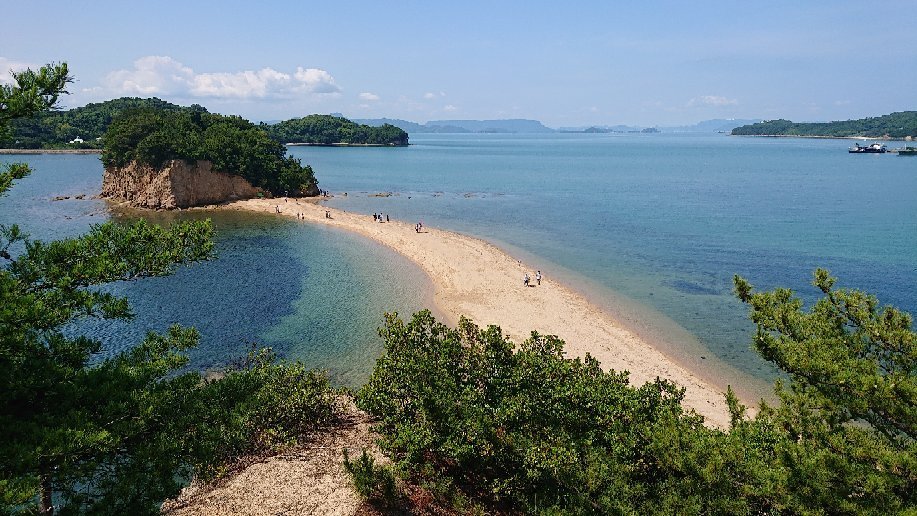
(901, 125)
(462, 126)
(334, 130)
(166, 158)
(718, 125)
(83, 127)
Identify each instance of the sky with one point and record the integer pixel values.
(566, 64)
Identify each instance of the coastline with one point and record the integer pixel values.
(50, 151)
(343, 145)
(877, 138)
(476, 279)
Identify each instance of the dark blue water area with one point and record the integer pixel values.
(310, 293)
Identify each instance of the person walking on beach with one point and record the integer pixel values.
(538, 277)
(386, 217)
(375, 217)
(525, 279)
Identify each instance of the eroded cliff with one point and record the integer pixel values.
(177, 184)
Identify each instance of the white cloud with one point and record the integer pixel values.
(163, 75)
(9, 65)
(369, 96)
(316, 80)
(430, 95)
(449, 107)
(712, 100)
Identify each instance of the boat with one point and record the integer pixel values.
(907, 151)
(875, 148)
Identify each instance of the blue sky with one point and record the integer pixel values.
(566, 64)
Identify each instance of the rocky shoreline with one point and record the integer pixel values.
(50, 151)
(177, 184)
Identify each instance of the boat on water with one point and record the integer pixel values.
(907, 151)
(875, 148)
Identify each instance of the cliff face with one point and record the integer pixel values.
(176, 185)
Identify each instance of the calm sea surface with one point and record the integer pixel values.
(651, 226)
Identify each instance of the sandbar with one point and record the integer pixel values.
(476, 279)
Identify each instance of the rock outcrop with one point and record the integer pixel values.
(177, 184)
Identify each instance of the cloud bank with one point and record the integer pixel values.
(163, 75)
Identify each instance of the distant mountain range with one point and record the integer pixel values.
(534, 126)
(463, 126)
(719, 125)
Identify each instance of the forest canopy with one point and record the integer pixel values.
(83, 127)
(232, 144)
(56, 129)
(894, 125)
(330, 130)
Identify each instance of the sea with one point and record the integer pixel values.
(651, 227)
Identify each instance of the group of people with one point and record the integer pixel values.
(377, 217)
(527, 281)
(418, 227)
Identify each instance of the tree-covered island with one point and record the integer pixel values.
(83, 127)
(335, 130)
(154, 137)
(895, 125)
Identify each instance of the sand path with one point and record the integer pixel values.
(478, 280)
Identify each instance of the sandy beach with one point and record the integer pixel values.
(478, 280)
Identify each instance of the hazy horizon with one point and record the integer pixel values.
(657, 64)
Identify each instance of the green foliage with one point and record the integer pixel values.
(894, 125)
(373, 482)
(153, 137)
(255, 409)
(119, 435)
(30, 93)
(848, 419)
(328, 130)
(529, 429)
(10, 173)
(66, 419)
(523, 428)
(55, 129)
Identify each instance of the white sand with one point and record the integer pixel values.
(476, 279)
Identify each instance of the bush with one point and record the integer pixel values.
(375, 484)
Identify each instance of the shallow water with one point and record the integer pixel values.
(650, 226)
(311, 293)
(659, 222)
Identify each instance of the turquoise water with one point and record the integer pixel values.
(651, 226)
(661, 222)
(309, 292)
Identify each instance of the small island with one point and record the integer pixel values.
(901, 125)
(335, 131)
(163, 159)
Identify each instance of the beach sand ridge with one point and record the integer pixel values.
(475, 279)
